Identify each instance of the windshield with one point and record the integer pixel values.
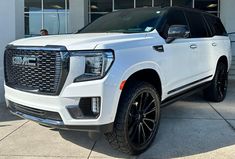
(126, 21)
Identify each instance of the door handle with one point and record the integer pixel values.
(159, 48)
(214, 44)
(193, 46)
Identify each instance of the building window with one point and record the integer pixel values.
(123, 4)
(32, 6)
(46, 14)
(210, 6)
(98, 8)
(162, 3)
(184, 3)
(144, 3)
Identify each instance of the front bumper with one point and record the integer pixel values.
(61, 125)
(70, 95)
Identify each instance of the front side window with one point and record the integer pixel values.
(197, 25)
(174, 17)
(126, 21)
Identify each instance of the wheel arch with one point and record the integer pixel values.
(147, 75)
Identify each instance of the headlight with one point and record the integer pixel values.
(97, 64)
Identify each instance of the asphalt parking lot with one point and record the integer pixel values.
(191, 128)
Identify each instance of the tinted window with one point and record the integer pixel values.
(174, 17)
(216, 26)
(126, 21)
(197, 25)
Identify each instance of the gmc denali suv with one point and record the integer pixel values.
(115, 74)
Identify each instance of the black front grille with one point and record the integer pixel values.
(45, 75)
(43, 114)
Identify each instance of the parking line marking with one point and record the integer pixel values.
(13, 131)
(92, 149)
(230, 125)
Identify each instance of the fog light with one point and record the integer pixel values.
(87, 108)
(95, 105)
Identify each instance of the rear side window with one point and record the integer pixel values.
(174, 17)
(198, 27)
(216, 26)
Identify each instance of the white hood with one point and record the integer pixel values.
(79, 41)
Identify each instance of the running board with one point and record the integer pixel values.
(184, 94)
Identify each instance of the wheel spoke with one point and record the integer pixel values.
(139, 133)
(149, 105)
(145, 99)
(152, 110)
(151, 120)
(147, 126)
(143, 132)
(133, 124)
(141, 101)
(132, 135)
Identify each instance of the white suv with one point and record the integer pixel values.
(115, 74)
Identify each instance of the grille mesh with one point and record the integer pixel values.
(42, 78)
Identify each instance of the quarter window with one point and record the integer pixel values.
(216, 26)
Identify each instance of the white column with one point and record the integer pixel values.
(11, 28)
(78, 16)
(227, 16)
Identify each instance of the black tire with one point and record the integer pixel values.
(137, 120)
(217, 91)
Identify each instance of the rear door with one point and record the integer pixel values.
(219, 40)
(201, 46)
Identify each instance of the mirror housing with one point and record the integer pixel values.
(177, 32)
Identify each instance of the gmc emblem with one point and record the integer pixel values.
(24, 60)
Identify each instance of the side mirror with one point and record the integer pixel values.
(177, 32)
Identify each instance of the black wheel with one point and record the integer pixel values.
(137, 119)
(216, 92)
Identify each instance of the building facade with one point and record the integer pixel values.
(25, 18)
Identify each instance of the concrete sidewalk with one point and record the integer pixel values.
(192, 128)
